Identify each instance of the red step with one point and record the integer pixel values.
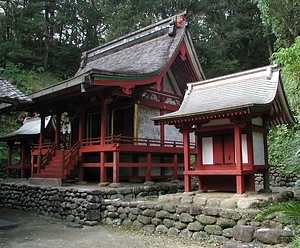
(53, 168)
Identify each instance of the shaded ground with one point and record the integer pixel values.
(37, 231)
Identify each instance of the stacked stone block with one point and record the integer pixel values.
(183, 215)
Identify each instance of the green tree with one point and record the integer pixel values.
(282, 17)
(229, 36)
(284, 141)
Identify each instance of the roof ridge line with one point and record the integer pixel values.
(234, 75)
(134, 35)
(141, 30)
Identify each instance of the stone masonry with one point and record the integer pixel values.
(187, 215)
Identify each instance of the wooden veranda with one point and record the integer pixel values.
(114, 152)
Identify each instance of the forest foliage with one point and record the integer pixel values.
(41, 41)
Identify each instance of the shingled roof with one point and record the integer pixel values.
(31, 126)
(251, 91)
(144, 52)
(10, 94)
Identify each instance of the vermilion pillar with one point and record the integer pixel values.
(199, 160)
(80, 138)
(240, 187)
(251, 186)
(102, 168)
(186, 150)
(102, 154)
(115, 167)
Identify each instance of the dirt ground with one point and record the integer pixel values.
(37, 231)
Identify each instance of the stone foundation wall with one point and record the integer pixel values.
(277, 178)
(73, 204)
(186, 216)
(226, 226)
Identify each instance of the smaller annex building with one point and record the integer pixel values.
(20, 143)
(13, 98)
(229, 116)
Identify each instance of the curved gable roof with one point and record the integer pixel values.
(144, 52)
(251, 90)
(31, 126)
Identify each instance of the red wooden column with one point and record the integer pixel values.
(102, 153)
(102, 168)
(186, 150)
(198, 139)
(80, 138)
(240, 187)
(57, 129)
(199, 159)
(250, 158)
(115, 167)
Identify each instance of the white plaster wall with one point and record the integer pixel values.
(145, 126)
(258, 148)
(244, 148)
(172, 133)
(207, 150)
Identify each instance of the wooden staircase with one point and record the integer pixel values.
(60, 164)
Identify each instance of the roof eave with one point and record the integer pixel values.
(202, 116)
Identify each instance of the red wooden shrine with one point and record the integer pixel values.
(101, 127)
(12, 98)
(229, 117)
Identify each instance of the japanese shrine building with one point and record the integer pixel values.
(101, 127)
(229, 116)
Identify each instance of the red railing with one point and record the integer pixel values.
(49, 154)
(124, 140)
(43, 153)
(69, 157)
(91, 142)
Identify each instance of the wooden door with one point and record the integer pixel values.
(228, 149)
(218, 150)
